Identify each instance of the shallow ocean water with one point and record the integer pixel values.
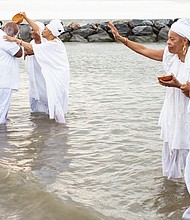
(105, 162)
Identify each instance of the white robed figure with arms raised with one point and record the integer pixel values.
(52, 58)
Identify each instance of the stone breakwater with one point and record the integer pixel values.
(154, 30)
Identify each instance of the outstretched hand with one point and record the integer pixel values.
(114, 30)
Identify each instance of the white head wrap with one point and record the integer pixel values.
(56, 27)
(182, 27)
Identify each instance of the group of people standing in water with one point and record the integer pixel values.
(48, 68)
(46, 63)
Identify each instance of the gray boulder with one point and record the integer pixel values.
(163, 22)
(65, 37)
(139, 22)
(163, 34)
(84, 32)
(74, 26)
(142, 30)
(78, 38)
(101, 36)
(123, 28)
(144, 39)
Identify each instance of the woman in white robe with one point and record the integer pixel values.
(53, 61)
(9, 71)
(175, 114)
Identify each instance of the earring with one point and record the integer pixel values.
(184, 50)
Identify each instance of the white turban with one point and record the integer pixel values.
(56, 27)
(182, 27)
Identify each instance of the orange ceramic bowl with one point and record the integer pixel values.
(18, 18)
(165, 78)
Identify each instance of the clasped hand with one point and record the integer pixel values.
(185, 88)
(171, 83)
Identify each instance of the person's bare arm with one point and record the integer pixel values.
(138, 48)
(32, 24)
(26, 45)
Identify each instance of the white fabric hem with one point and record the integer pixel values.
(5, 100)
(173, 161)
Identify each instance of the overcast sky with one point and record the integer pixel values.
(95, 9)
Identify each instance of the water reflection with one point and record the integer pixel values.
(3, 138)
(50, 148)
(40, 148)
(172, 199)
(31, 158)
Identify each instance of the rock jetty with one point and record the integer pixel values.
(146, 30)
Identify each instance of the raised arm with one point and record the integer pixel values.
(138, 48)
(32, 24)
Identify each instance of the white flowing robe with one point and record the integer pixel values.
(9, 74)
(9, 70)
(53, 60)
(37, 86)
(175, 116)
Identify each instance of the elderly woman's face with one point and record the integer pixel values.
(175, 42)
(46, 32)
